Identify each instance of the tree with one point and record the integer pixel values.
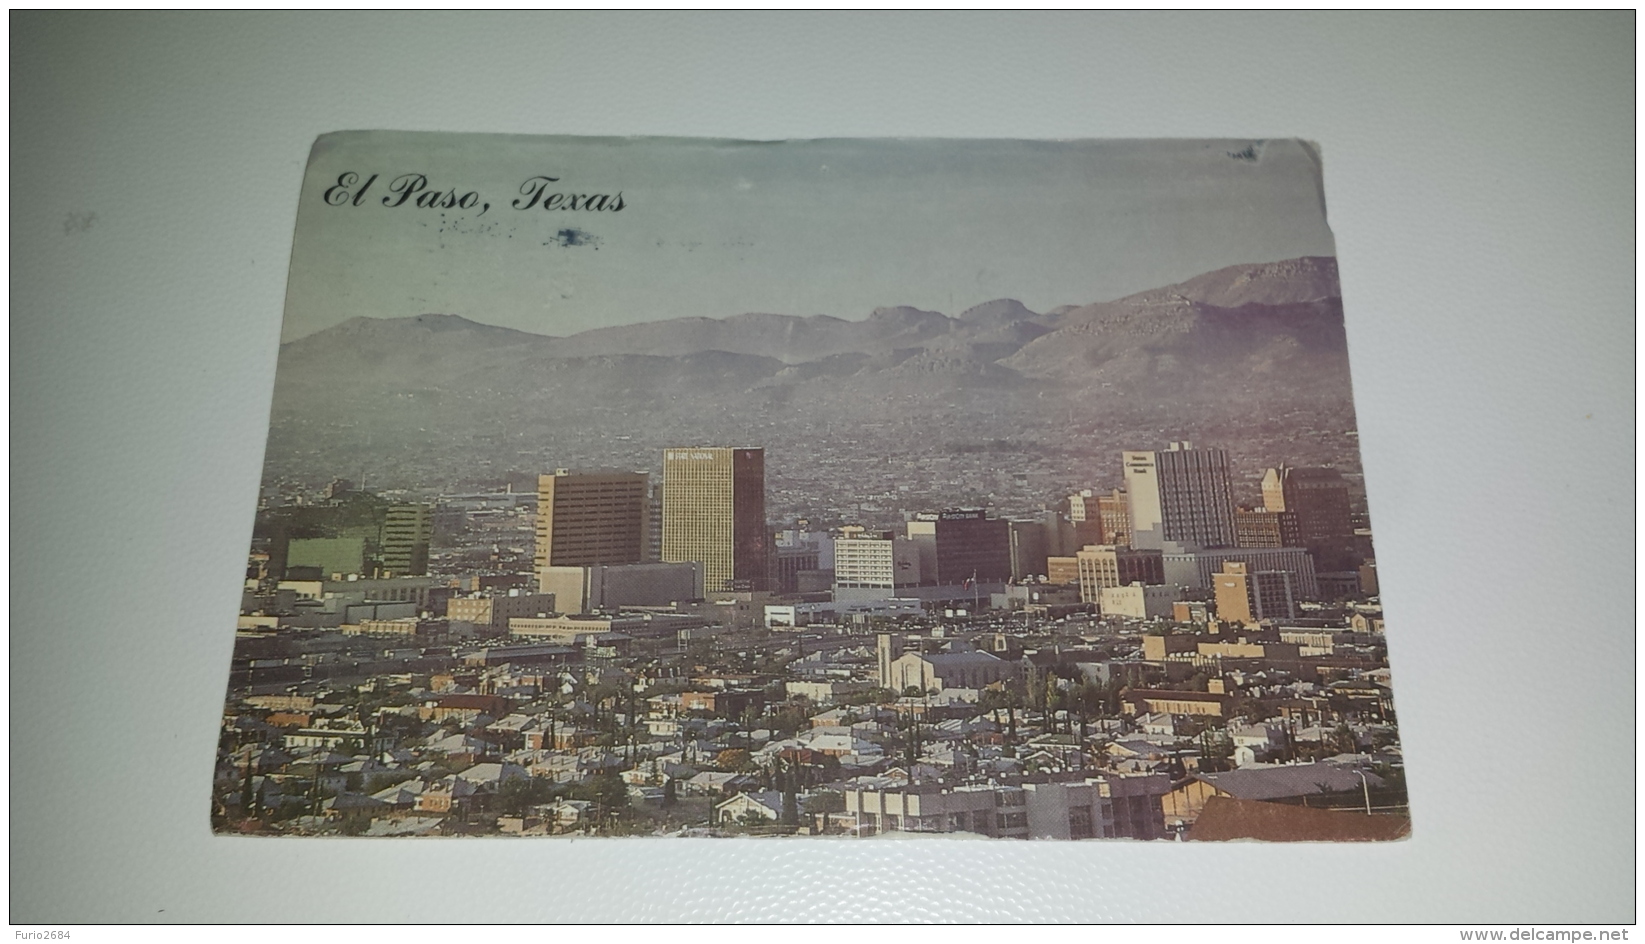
(1091, 702)
(1215, 749)
(789, 719)
(1346, 743)
(245, 790)
(822, 803)
(314, 796)
(516, 796)
(786, 775)
(1053, 700)
(991, 700)
(699, 649)
(610, 798)
(877, 696)
(736, 760)
(1247, 707)
(1393, 783)
(670, 793)
(1113, 697)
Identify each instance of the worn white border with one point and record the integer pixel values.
(1479, 176)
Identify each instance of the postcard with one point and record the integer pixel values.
(839, 489)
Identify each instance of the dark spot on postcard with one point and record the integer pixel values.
(573, 237)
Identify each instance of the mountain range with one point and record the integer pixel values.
(427, 394)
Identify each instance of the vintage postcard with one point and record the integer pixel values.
(833, 488)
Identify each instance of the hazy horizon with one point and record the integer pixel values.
(869, 314)
(713, 228)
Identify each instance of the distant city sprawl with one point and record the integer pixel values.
(864, 422)
(1116, 585)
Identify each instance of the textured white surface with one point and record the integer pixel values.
(1479, 172)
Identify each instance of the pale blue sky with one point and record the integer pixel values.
(714, 228)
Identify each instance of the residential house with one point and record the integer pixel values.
(464, 708)
(764, 805)
(492, 776)
(1151, 701)
(1290, 783)
(447, 795)
(351, 807)
(401, 796)
(716, 783)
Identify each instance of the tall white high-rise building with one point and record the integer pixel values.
(1180, 496)
(874, 568)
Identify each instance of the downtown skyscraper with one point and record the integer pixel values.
(1182, 496)
(586, 518)
(714, 514)
(1319, 500)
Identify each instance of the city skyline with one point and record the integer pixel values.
(577, 520)
(1123, 591)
